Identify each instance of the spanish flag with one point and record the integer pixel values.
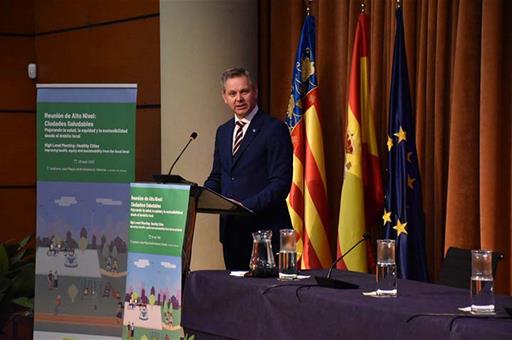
(307, 201)
(362, 196)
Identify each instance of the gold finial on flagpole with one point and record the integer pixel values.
(308, 6)
(398, 4)
(363, 7)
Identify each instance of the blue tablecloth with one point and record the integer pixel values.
(255, 308)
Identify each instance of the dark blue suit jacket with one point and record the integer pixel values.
(259, 176)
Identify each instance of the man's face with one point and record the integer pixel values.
(240, 95)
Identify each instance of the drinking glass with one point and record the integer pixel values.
(482, 283)
(287, 255)
(386, 268)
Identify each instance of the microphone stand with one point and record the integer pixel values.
(168, 178)
(179, 156)
(327, 281)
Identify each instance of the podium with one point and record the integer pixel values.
(202, 200)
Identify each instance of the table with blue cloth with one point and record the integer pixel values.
(218, 305)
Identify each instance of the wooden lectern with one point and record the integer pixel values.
(202, 200)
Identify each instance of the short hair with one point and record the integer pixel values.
(234, 72)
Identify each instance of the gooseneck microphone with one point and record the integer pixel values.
(333, 283)
(193, 136)
(366, 236)
(168, 178)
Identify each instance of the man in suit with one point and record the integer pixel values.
(252, 164)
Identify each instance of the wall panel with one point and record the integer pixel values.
(79, 13)
(17, 123)
(51, 15)
(17, 16)
(126, 52)
(16, 89)
(17, 149)
(17, 216)
(111, 10)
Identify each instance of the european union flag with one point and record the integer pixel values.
(403, 213)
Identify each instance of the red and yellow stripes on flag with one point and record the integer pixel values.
(295, 199)
(362, 193)
(307, 201)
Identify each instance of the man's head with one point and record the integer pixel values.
(239, 91)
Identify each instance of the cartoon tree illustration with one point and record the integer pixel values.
(135, 296)
(72, 292)
(56, 240)
(103, 240)
(83, 232)
(152, 299)
(82, 244)
(105, 252)
(69, 237)
(165, 309)
(174, 302)
(114, 252)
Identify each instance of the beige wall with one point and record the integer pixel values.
(198, 40)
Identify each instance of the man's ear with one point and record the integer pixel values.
(224, 97)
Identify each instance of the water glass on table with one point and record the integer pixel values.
(287, 255)
(386, 269)
(482, 283)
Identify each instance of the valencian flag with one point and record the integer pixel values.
(362, 197)
(307, 201)
(403, 215)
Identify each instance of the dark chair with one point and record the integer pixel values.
(456, 268)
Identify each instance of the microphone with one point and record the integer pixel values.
(168, 178)
(193, 136)
(327, 281)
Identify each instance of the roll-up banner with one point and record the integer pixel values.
(85, 164)
(158, 216)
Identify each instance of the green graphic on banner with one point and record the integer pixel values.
(86, 142)
(158, 216)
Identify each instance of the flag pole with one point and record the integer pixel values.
(398, 4)
(363, 7)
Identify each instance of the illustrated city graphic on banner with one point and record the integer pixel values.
(82, 245)
(158, 217)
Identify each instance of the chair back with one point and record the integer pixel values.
(456, 267)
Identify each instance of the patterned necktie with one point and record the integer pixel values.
(239, 135)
